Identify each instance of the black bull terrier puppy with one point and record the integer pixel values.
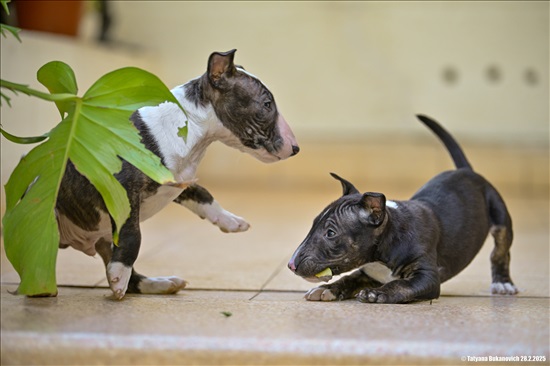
(405, 249)
(226, 104)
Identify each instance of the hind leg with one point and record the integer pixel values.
(500, 256)
(137, 283)
(500, 262)
(155, 285)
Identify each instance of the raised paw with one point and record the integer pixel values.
(161, 285)
(372, 296)
(213, 212)
(118, 276)
(230, 223)
(506, 288)
(320, 294)
(225, 220)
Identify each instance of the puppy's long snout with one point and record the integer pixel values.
(292, 262)
(290, 145)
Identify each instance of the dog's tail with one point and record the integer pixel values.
(450, 143)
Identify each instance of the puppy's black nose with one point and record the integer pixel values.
(295, 150)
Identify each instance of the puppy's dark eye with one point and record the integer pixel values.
(330, 233)
(267, 105)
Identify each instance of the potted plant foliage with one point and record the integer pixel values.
(95, 133)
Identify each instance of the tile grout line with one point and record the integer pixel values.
(270, 278)
(287, 291)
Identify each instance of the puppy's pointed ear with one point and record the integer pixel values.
(375, 206)
(347, 187)
(220, 66)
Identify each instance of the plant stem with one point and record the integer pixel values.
(26, 90)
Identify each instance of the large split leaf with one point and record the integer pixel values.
(58, 78)
(95, 133)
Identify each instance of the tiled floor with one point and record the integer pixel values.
(83, 325)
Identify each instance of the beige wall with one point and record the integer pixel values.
(350, 72)
(358, 68)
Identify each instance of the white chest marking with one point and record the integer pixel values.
(164, 121)
(153, 204)
(378, 271)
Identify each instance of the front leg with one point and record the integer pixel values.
(423, 284)
(119, 268)
(201, 202)
(345, 288)
(139, 283)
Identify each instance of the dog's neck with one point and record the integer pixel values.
(182, 155)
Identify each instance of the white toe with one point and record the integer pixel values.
(503, 288)
(319, 294)
(118, 276)
(229, 223)
(314, 294)
(327, 295)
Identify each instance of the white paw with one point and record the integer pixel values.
(118, 276)
(506, 288)
(161, 285)
(213, 212)
(319, 294)
(229, 223)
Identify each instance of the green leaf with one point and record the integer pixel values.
(5, 5)
(23, 140)
(182, 131)
(95, 135)
(105, 117)
(7, 28)
(30, 228)
(4, 28)
(125, 90)
(58, 77)
(6, 98)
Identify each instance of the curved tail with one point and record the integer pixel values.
(450, 143)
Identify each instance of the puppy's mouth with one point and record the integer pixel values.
(323, 276)
(266, 153)
(265, 156)
(314, 279)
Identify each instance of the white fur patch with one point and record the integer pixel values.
(151, 205)
(182, 156)
(161, 285)
(378, 271)
(81, 239)
(225, 220)
(319, 294)
(499, 288)
(118, 275)
(392, 204)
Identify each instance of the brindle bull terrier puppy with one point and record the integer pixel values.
(226, 104)
(404, 250)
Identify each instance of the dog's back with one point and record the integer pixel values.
(467, 205)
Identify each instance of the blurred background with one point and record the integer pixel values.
(349, 78)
